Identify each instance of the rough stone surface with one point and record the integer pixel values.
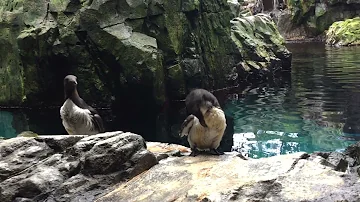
(125, 54)
(18, 154)
(294, 177)
(165, 150)
(301, 20)
(116, 166)
(60, 142)
(344, 33)
(260, 44)
(69, 168)
(114, 48)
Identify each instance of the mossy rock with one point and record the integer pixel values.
(259, 42)
(300, 9)
(344, 33)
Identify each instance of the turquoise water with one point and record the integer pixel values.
(6, 124)
(317, 109)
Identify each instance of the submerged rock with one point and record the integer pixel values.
(344, 33)
(77, 168)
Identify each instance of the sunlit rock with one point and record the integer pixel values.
(344, 33)
(294, 177)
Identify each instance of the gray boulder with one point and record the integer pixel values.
(78, 168)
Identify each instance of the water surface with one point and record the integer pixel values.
(317, 109)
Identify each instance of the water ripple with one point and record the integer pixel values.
(318, 111)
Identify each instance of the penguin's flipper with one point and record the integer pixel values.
(98, 122)
(185, 125)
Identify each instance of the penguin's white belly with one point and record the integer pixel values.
(202, 137)
(76, 121)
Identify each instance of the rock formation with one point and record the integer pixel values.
(119, 166)
(344, 33)
(135, 57)
(65, 168)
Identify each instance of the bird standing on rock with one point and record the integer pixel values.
(78, 118)
(206, 136)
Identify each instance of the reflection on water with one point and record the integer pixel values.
(318, 110)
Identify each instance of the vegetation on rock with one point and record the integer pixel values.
(135, 56)
(344, 33)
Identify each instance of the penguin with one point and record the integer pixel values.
(205, 138)
(195, 99)
(78, 118)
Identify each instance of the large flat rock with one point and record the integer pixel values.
(293, 177)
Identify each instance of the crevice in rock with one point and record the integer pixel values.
(303, 156)
(257, 191)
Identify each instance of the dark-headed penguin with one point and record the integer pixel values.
(197, 98)
(202, 137)
(78, 118)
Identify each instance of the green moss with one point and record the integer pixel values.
(176, 26)
(190, 5)
(301, 9)
(10, 6)
(258, 41)
(11, 81)
(344, 33)
(58, 5)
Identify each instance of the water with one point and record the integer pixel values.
(318, 109)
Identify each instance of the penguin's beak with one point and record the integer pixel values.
(208, 105)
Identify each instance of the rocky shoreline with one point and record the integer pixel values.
(121, 166)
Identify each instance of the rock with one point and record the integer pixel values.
(79, 168)
(293, 177)
(27, 134)
(43, 180)
(308, 20)
(18, 154)
(260, 45)
(344, 33)
(353, 151)
(338, 160)
(149, 52)
(165, 150)
(60, 142)
(104, 153)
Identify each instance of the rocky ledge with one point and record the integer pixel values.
(69, 168)
(119, 166)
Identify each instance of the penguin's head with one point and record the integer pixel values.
(205, 106)
(70, 85)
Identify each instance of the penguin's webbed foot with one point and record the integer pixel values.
(216, 152)
(194, 152)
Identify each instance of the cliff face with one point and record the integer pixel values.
(303, 19)
(133, 55)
